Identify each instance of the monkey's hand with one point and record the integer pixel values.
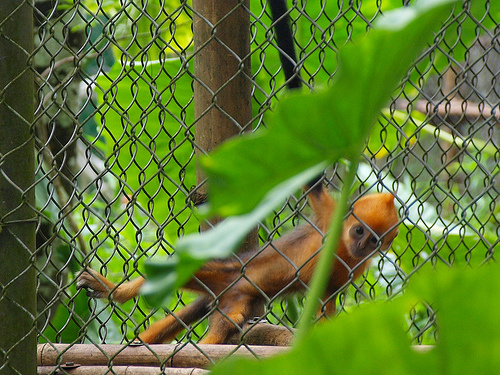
(96, 285)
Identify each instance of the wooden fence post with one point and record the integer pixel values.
(17, 196)
(222, 86)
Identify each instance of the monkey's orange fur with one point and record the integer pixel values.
(284, 266)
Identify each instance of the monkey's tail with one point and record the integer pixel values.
(285, 43)
(168, 328)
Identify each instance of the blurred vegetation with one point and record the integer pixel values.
(373, 339)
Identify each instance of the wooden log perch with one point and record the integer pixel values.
(264, 334)
(119, 370)
(454, 107)
(168, 355)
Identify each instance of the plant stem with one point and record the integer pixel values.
(326, 257)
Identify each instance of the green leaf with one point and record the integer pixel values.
(309, 129)
(372, 339)
(467, 302)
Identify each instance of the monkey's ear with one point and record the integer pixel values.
(388, 197)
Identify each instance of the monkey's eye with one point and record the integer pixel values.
(373, 240)
(359, 231)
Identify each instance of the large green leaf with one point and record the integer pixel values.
(372, 339)
(309, 129)
(352, 344)
(467, 304)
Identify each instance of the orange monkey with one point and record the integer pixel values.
(285, 266)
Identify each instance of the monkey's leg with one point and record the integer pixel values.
(168, 328)
(327, 308)
(99, 287)
(234, 311)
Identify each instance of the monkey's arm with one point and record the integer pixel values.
(321, 203)
(98, 286)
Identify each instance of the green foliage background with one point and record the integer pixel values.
(144, 111)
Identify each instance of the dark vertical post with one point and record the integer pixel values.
(222, 88)
(17, 198)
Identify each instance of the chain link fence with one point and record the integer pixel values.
(116, 151)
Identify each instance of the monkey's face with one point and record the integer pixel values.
(371, 226)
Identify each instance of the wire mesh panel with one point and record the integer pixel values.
(116, 165)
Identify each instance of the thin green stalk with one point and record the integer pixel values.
(325, 261)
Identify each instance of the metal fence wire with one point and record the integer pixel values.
(116, 151)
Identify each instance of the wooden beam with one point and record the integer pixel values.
(73, 369)
(167, 355)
